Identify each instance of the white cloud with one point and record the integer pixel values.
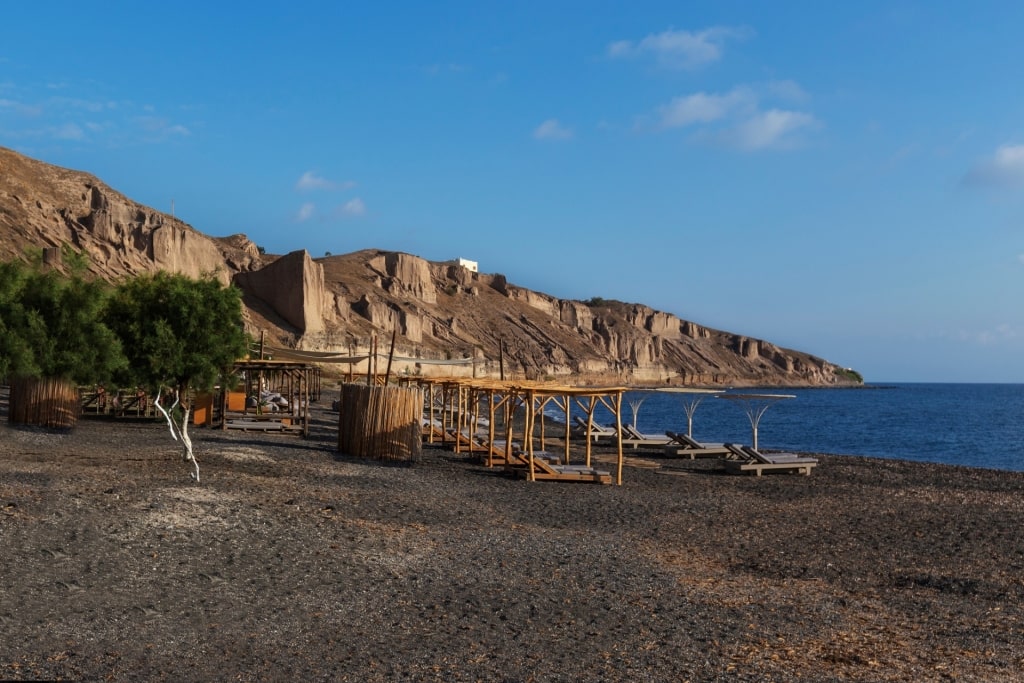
(703, 108)
(1005, 168)
(735, 119)
(161, 126)
(305, 212)
(435, 69)
(311, 181)
(62, 115)
(680, 49)
(787, 90)
(354, 207)
(68, 131)
(772, 128)
(996, 335)
(21, 108)
(552, 130)
(91, 106)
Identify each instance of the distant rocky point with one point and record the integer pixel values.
(437, 310)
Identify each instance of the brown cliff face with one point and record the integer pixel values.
(293, 287)
(47, 206)
(442, 310)
(341, 303)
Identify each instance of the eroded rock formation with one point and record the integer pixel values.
(439, 310)
(47, 206)
(293, 287)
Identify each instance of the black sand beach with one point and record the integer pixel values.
(292, 562)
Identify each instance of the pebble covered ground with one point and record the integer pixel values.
(290, 561)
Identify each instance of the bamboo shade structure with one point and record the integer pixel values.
(299, 383)
(97, 401)
(382, 423)
(51, 403)
(537, 395)
(464, 395)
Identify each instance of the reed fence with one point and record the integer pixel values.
(381, 423)
(51, 403)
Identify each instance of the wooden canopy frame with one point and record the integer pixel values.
(457, 400)
(301, 381)
(537, 396)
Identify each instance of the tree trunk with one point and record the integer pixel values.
(179, 431)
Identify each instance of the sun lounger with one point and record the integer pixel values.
(462, 441)
(494, 453)
(545, 470)
(636, 439)
(751, 461)
(432, 430)
(597, 432)
(683, 446)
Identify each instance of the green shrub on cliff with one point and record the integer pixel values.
(850, 375)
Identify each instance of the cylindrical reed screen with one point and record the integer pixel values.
(382, 423)
(51, 403)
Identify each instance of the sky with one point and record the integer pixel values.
(844, 179)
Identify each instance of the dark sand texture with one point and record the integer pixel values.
(291, 562)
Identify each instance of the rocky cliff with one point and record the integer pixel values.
(341, 303)
(47, 206)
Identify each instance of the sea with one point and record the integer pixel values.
(977, 425)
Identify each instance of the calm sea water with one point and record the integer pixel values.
(979, 425)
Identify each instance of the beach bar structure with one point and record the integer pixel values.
(298, 383)
(372, 359)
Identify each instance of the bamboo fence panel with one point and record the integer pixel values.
(381, 423)
(51, 403)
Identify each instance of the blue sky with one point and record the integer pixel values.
(845, 179)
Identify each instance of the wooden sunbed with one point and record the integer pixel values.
(683, 446)
(432, 430)
(545, 468)
(597, 432)
(494, 453)
(637, 439)
(751, 461)
(262, 423)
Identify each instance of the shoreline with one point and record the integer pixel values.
(291, 560)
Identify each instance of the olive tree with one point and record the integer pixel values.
(179, 335)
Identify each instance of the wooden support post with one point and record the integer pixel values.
(351, 354)
(391, 355)
(369, 362)
(501, 359)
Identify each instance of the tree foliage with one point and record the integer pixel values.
(53, 326)
(178, 333)
(13, 349)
